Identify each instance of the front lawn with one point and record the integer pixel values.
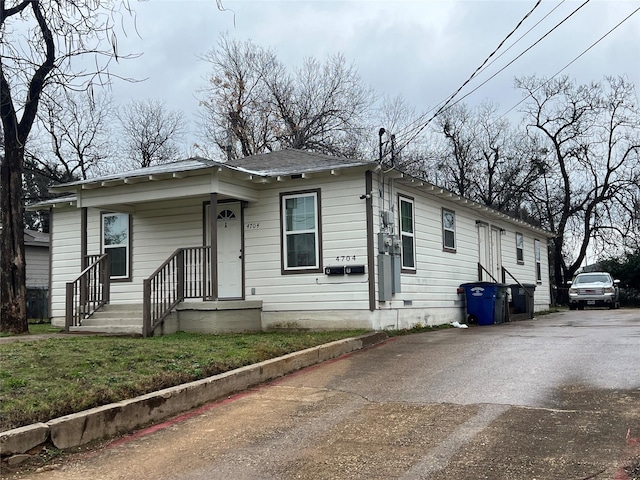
(45, 379)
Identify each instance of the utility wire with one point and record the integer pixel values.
(498, 72)
(477, 70)
(445, 106)
(571, 62)
(523, 35)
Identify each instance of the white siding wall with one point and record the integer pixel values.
(343, 218)
(37, 266)
(65, 259)
(430, 295)
(158, 229)
(526, 272)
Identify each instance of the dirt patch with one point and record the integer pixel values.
(589, 435)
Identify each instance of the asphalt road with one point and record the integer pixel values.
(555, 398)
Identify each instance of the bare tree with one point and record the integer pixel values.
(37, 43)
(77, 134)
(592, 136)
(236, 116)
(152, 133)
(253, 105)
(322, 108)
(458, 162)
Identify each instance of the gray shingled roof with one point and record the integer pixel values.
(35, 238)
(291, 162)
(195, 163)
(285, 162)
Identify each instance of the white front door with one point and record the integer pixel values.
(496, 254)
(230, 261)
(483, 248)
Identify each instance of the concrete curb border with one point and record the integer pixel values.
(110, 420)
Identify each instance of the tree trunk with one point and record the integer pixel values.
(562, 292)
(13, 290)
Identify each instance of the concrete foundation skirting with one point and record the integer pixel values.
(118, 418)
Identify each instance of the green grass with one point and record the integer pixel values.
(46, 379)
(36, 328)
(42, 328)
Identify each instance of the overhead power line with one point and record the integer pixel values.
(446, 105)
(442, 108)
(573, 61)
(477, 70)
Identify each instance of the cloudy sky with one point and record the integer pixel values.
(422, 50)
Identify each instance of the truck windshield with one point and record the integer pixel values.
(592, 279)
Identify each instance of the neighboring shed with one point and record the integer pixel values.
(299, 239)
(37, 265)
(36, 245)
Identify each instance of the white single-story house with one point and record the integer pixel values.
(283, 239)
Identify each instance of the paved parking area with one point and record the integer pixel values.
(554, 398)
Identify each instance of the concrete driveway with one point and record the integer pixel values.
(555, 398)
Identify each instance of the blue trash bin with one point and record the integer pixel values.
(482, 298)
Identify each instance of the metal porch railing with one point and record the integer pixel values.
(87, 293)
(185, 274)
(482, 270)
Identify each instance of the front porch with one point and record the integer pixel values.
(219, 316)
(176, 297)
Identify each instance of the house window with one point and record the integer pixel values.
(448, 230)
(407, 233)
(116, 242)
(301, 238)
(520, 248)
(536, 250)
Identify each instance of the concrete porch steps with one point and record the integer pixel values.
(122, 319)
(224, 316)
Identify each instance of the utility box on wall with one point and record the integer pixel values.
(396, 266)
(390, 247)
(385, 243)
(389, 266)
(384, 277)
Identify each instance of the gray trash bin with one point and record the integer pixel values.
(522, 298)
(500, 309)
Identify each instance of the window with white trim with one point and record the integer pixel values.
(407, 237)
(536, 250)
(116, 242)
(300, 231)
(448, 230)
(519, 248)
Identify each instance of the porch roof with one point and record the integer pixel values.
(167, 170)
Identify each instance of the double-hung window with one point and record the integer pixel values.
(448, 230)
(536, 250)
(116, 242)
(407, 235)
(519, 248)
(301, 234)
